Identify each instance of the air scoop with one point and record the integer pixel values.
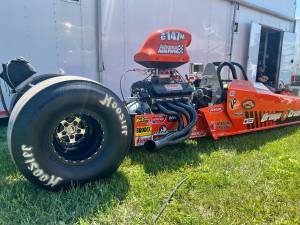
(165, 48)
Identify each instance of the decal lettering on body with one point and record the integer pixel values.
(248, 104)
(171, 49)
(293, 113)
(248, 121)
(280, 116)
(221, 125)
(234, 104)
(270, 117)
(142, 119)
(143, 131)
(142, 140)
(163, 130)
(239, 114)
(216, 109)
(172, 36)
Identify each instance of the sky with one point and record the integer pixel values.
(298, 9)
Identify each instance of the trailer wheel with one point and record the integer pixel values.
(68, 130)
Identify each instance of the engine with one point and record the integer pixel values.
(161, 86)
(164, 90)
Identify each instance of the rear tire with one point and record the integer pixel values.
(68, 130)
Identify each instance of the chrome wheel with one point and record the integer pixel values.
(78, 138)
(71, 130)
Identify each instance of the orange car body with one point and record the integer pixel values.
(247, 109)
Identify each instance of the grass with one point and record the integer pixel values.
(248, 179)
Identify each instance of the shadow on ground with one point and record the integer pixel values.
(174, 157)
(24, 203)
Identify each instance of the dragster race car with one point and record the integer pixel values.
(66, 130)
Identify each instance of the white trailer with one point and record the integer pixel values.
(297, 52)
(98, 39)
(296, 75)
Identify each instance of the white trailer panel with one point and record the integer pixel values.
(285, 8)
(253, 50)
(297, 51)
(56, 36)
(126, 25)
(287, 65)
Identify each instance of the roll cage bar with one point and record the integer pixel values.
(232, 67)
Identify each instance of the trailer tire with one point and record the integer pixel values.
(68, 130)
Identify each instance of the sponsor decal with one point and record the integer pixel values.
(171, 118)
(271, 117)
(142, 119)
(34, 167)
(234, 104)
(171, 49)
(239, 114)
(221, 125)
(293, 113)
(279, 116)
(248, 104)
(143, 131)
(216, 109)
(224, 125)
(284, 116)
(265, 119)
(158, 119)
(109, 102)
(163, 130)
(172, 36)
(248, 121)
(142, 140)
(173, 87)
(232, 93)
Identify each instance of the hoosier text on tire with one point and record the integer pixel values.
(64, 131)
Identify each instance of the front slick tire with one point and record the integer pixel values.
(68, 130)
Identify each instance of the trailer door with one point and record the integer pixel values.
(287, 58)
(253, 51)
